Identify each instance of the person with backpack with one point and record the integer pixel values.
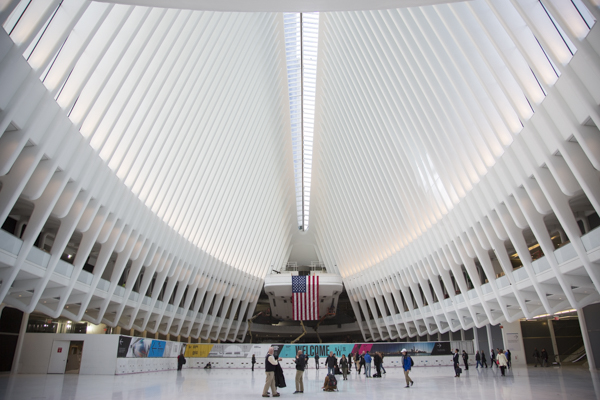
(180, 362)
(330, 383)
(300, 361)
(456, 362)
(407, 364)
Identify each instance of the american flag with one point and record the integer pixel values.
(305, 297)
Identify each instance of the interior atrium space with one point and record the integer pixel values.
(209, 179)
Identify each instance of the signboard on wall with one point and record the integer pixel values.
(124, 342)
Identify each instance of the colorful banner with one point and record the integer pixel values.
(290, 351)
(152, 348)
(157, 349)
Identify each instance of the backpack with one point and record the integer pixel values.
(330, 383)
(412, 362)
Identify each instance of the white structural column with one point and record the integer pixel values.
(586, 340)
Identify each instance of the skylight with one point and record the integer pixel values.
(301, 41)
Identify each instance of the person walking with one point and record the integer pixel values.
(344, 365)
(300, 361)
(383, 369)
(331, 362)
(478, 360)
(544, 358)
(253, 361)
(493, 358)
(456, 362)
(180, 362)
(368, 365)
(508, 358)
(270, 364)
(536, 357)
(350, 358)
(407, 365)
(502, 361)
(317, 361)
(483, 360)
(465, 358)
(357, 361)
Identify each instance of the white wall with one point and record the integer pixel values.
(513, 341)
(98, 358)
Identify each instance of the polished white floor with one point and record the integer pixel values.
(572, 383)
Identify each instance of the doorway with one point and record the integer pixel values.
(74, 358)
(65, 357)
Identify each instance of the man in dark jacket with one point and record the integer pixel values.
(377, 360)
(493, 358)
(180, 362)
(536, 357)
(508, 357)
(317, 361)
(544, 358)
(478, 360)
(331, 362)
(465, 358)
(456, 362)
(253, 361)
(483, 360)
(300, 361)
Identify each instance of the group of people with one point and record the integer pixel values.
(272, 367)
(541, 359)
(499, 358)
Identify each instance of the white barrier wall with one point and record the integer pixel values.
(98, 357)
(138, 365)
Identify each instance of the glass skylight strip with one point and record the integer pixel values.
(291, 23)
(310, 40)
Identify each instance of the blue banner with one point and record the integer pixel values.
(157, 349)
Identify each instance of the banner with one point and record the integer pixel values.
(198, 350)
(290, 351)
(153, 348)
